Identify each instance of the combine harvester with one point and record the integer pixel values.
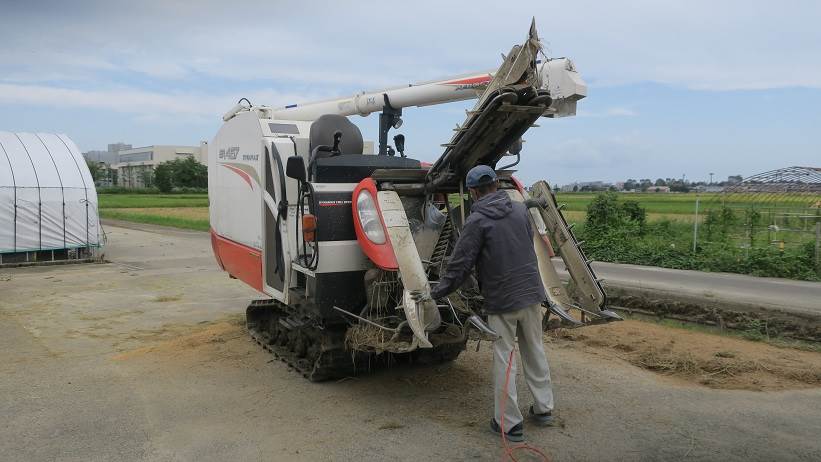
(338, 236)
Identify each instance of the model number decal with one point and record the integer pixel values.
(229, 153)
(233, 152)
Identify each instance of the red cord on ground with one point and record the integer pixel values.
(509, 450)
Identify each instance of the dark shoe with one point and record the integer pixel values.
(545, 420)
(515, 434)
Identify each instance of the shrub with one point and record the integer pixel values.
(164, 177)
(619, 233)
(603, 211)
(181, 173)
(635, 213)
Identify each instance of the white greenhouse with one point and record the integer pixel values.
(48, 203)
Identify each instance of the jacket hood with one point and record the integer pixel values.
(495, 205)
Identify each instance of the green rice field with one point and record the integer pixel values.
(666, 241)
(186, 211)
(669, 203)
(120, 201)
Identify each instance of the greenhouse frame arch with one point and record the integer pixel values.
(48, 202)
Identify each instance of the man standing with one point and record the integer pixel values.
(497, 237)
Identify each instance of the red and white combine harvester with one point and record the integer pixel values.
(338, 236)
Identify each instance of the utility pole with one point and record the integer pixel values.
(818, 247)
(695, 227)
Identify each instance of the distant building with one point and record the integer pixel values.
(586, 186)
(100, 156)
(107, 157)
(117, 147)
(135, 167)
(593, 185)
(708, 188)
(658, 189)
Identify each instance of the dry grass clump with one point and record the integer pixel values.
(666, 363)
(365, 337)
(808, 376)
(685, 364)
(196, 338)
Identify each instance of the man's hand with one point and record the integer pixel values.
(420, 296)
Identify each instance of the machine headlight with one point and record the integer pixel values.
(369, 217)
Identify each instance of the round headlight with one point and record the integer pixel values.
(369, 217)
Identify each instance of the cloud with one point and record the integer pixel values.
(132, 101)
(135, 101)
(161, 61)
(373, 43)
(159, 69)
(584, 153)
(609, 112)
(620, 112)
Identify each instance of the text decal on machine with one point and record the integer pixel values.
(230, 153)
(334, 203)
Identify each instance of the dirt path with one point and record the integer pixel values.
(669, 413)
(681, 355)
(147, 359)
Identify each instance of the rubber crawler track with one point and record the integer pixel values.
(319, 354)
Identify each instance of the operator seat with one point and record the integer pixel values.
(322, 133)
(348, 165)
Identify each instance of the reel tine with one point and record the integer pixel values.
(563, 314)
(610, 315)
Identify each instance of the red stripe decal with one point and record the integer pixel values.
(239, 172)
(469, 80)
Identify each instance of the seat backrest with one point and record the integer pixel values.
(322, 132)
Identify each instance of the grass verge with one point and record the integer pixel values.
(156, 219)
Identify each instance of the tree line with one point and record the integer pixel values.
(184, 173)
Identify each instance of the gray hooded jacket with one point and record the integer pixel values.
(498, 238)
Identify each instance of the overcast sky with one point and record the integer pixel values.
(675, 87)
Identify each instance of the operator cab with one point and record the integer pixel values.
(336, 148)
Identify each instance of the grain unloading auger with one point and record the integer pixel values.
(338, 238)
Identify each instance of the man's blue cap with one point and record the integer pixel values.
(480, 175)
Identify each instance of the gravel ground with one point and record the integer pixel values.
(145, 358)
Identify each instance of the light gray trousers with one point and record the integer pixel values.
(526, 324)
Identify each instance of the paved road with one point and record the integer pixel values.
(144, 359)
(768, 293)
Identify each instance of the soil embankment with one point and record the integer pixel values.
(714, 361)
